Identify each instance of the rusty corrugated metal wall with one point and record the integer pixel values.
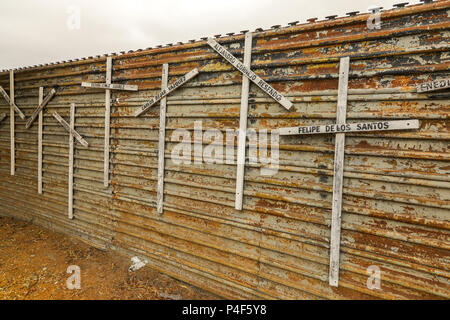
(396, 203)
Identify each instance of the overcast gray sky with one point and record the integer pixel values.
(34, 32)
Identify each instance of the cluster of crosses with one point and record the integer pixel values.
(339, 129)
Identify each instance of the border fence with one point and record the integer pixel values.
(224, 226)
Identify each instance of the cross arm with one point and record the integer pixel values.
(111, 86)
(39, 108)
(69, 129)
(267, 88)
(8, 100)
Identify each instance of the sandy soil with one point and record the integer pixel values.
(34, 262)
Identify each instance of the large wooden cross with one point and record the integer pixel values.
(248, 75)
(339, 129)
(162, 96)
(439, 84)
(108, 86)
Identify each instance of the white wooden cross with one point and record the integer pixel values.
(108, 86)
(70, 128)
(162, 95)
(40, 132)
(8, 100)
(248, 75)
(340, 128)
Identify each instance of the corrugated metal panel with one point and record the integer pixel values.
(396, 189)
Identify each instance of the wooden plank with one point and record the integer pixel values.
(243, 125)
(267, 88)
(40, 127)
(71, 146)
(161, 143)
(107, 123)
(16, 108)
(434, 85)
(164, 92)
(39, 108)
(12, 124)
(2, 116)
(352, 127)
(69, 129)
(111, 86)
(338, 177)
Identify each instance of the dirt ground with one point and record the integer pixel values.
(34, 262)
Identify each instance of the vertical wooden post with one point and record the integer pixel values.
(107, 122)
(71, 146)
(338, 174)
(243, 125)
(161, 143)
(12, 118)
(40, 127)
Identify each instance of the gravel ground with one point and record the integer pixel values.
(34, 262)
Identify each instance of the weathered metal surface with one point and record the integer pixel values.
(396, 187)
